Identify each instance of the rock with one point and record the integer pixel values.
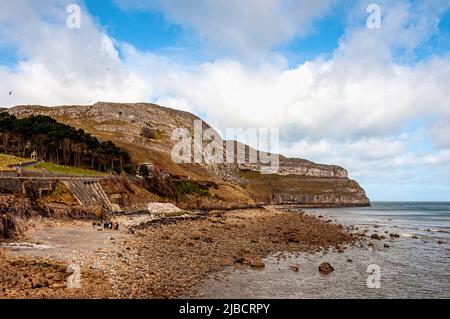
(375, 236)
(325, 268)
(256, 262)
(244, 258)
(162, 208)
(414, 237)
(295, 268)
(386, 246)
(394, 235)
(349, 260)
(39, 282)
(370, 244)
(440, 242)
(58, 286)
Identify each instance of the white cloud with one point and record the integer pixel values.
(350, 109)
(61, 65)
(441, 133)
(247, 27)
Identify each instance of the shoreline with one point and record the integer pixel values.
(405, 247)
(168, 259)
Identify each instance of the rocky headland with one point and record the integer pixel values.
(144, 130)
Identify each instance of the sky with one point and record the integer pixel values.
(375, 100)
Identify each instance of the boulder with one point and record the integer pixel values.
(325, 268)
(39, 282)
(256, 262)
(375, 236)
(295, 268)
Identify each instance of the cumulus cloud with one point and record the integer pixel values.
(350, 109)
(250, 27)
(441, 134)
(59, 65)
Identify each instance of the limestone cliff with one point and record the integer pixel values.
(144, 130)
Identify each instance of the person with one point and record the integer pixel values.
(94, 224)
(116, 226)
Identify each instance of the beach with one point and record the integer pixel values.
(170, 257)
(272, 252)
(414, 265)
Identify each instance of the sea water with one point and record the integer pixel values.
(416, 265)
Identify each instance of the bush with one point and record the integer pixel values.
(150, 134)
(189, 187)
(129, 169)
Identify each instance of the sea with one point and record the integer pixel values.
(415, 265)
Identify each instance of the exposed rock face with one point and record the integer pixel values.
(145, 130)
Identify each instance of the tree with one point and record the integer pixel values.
(59, 143)
(143, 171)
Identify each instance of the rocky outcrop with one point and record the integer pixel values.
(144, 130)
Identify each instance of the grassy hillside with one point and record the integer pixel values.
(6, 160)
(66, 170)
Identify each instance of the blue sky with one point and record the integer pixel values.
(376, 101)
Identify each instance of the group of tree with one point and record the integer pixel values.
(58, 143)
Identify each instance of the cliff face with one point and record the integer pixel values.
(144, 130)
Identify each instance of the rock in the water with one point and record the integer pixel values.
(325, 268)
(386, 246)
(375, 236)
(394, 235)
(295, 268)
